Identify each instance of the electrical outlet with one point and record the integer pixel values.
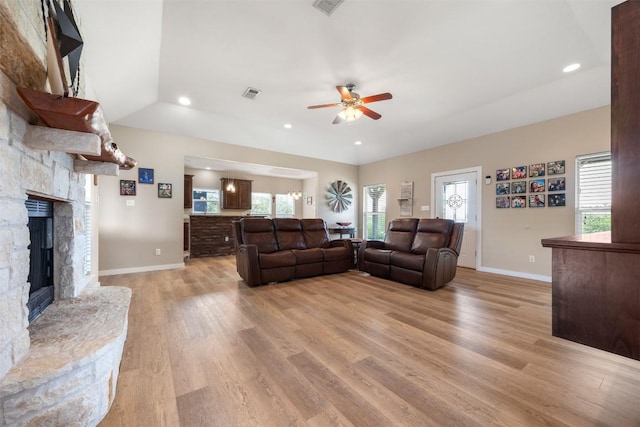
(226, 238)
(157, 251)
(532, 258)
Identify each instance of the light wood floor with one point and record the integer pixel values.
(206, 350)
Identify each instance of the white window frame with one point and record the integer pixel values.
(254, 212)
(369, 215)
(592, 198)
(289, 200)
(205, 190)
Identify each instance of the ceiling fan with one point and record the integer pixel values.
(352, 105)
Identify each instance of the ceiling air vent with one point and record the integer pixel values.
(327, 6)
(251, 93)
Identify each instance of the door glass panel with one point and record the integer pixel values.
(455, 197)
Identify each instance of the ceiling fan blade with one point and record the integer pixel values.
(379, 97)
(370, 113)
(337, 120)
(311, 107)
(344, 92)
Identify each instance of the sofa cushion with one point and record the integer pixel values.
(379, 256)
(259, 232)
(338, 253)
(289, 233)
(400, 234)
(431, 233)
(277, 259)
(407, 260)
(315, 232)
(308, 256)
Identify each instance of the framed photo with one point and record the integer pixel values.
(555, 168)
(536, 200)
(537, 186)
(536, 170)
(518, 187)
(127, 187)
(165, 191)
(502, 175)
(145, 176)
(518, 201)
(557, 200)
(502, 202)
(502, 188)
(309, 200)
(518, 172)
(556, 184)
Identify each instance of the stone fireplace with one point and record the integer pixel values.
(62, 368)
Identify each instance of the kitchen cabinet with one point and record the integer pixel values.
(238, 199)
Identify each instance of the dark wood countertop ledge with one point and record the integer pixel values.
(591, 242)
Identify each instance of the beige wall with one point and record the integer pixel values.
(509, 236)
(130, 235)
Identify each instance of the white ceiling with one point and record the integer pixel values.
(456, 69)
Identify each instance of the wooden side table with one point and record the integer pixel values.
(356, 248)
(343, 231)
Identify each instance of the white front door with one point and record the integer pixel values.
(456, 197)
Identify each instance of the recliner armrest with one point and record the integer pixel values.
(248, 264)
(375, 244)
(439, 267)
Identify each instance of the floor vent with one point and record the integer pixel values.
(251, 93)
(327, 6)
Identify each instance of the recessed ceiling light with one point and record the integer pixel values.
(358, 142)
(288, 126)
(183, 100)
(570, 68)
(208, 168)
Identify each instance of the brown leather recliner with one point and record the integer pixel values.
(418, 252)
(280, 249)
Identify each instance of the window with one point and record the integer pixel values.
(261, 204)
(285, 206)
(593, 207)
(206, 201)
(375, 207)
(455, 202)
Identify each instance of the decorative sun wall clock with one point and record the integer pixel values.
(339, 196)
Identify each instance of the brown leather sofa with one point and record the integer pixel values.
(418, 252)
(280, 249)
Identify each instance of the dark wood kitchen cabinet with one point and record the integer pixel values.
(188, 191)
(238, 199)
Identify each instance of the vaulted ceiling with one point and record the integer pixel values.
(456, 69)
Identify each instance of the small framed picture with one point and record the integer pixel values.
(557, 200)
(556, 184)
(145, 176)
(536, 200)
(127, 187)
(555, 168)
(536, 169)
(518, 187)
(502, 202)
(537, 186)
(165, 191)
(502, 188)
(518, 172)
(502, 175)
(518, 201)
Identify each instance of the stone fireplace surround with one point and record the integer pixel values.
(62, 369)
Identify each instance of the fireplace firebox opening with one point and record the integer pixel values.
(41, 291)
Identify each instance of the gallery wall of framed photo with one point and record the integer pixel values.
(535, 186)
(145, 176)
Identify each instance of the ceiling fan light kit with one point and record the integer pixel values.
(352, 105)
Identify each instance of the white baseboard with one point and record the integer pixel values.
(140, 269)
(516, 274)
